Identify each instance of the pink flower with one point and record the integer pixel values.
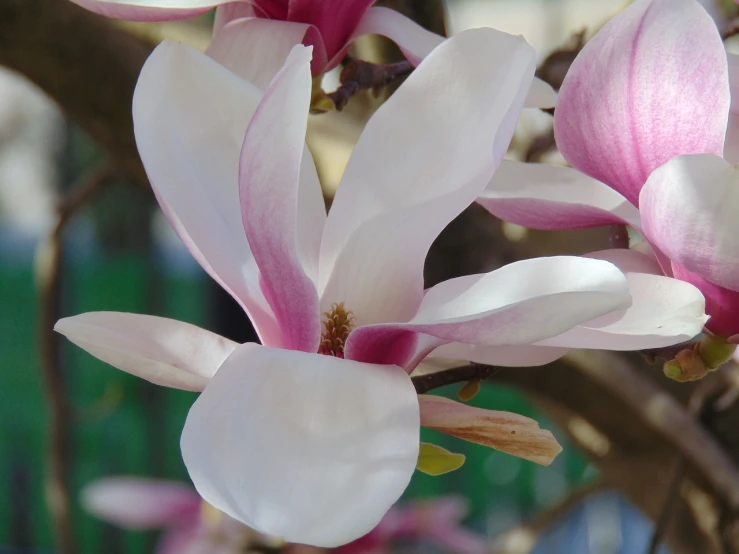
(642, 115)
(252, 38)
(310, 447)
(191, 526)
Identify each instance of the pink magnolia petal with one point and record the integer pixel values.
(690, 207)
(411, 174)
(287, 442)
(519, 304)
(335, 19)
(651, 85)
(269, 182)
(722, 305)
(504, 431)
(150, 10)
(256, 49)
(541, 196)
(141, 503)
(190, 116)
(164, 351)
(664, 311)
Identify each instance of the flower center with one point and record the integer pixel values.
(337, 324)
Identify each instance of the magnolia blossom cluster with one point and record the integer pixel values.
(312, 435)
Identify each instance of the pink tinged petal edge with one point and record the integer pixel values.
(722, 305)
(164, 351)
(690, 207)
(286, 442)
(521, 303)
(541, 196)
(651, 85)
(190, 116)
(269, 183)
(149, 10)
(664, 311)
(416, 43)
(410, 174)
(141, 503)
(255, 49)
(504, 431)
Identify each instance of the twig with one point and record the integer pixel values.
(60, 412)
(730, 29)
(87, 65)
(700, 399)
(359, 75)
(431, 381)
(661, 412)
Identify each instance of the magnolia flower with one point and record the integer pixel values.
(253, 37)
(314, 435)
(191, 526)
(641, 117)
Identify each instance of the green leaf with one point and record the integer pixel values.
(435, 460)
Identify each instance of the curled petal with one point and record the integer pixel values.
(269, 181)
(689, 208)
(287, 442)
(504, 431)
(413, 40)
(190, 116)
(664, 311)
(141, 503)
(411, 174)
(519, 304)
(651, 85)
(164, 351)
(541, 196)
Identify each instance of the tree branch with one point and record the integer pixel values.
(60, 413)
(85, 63)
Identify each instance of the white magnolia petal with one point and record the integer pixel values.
(690, 208)
(150, 10)
(164, 351)
(541, 196)
(255, 48)
(190, 116)
(141, 503)
(518, 304)
(665, 311)
(310, 448)
(506, 356)
(413, 40)
(411, 174)
(541, 95)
